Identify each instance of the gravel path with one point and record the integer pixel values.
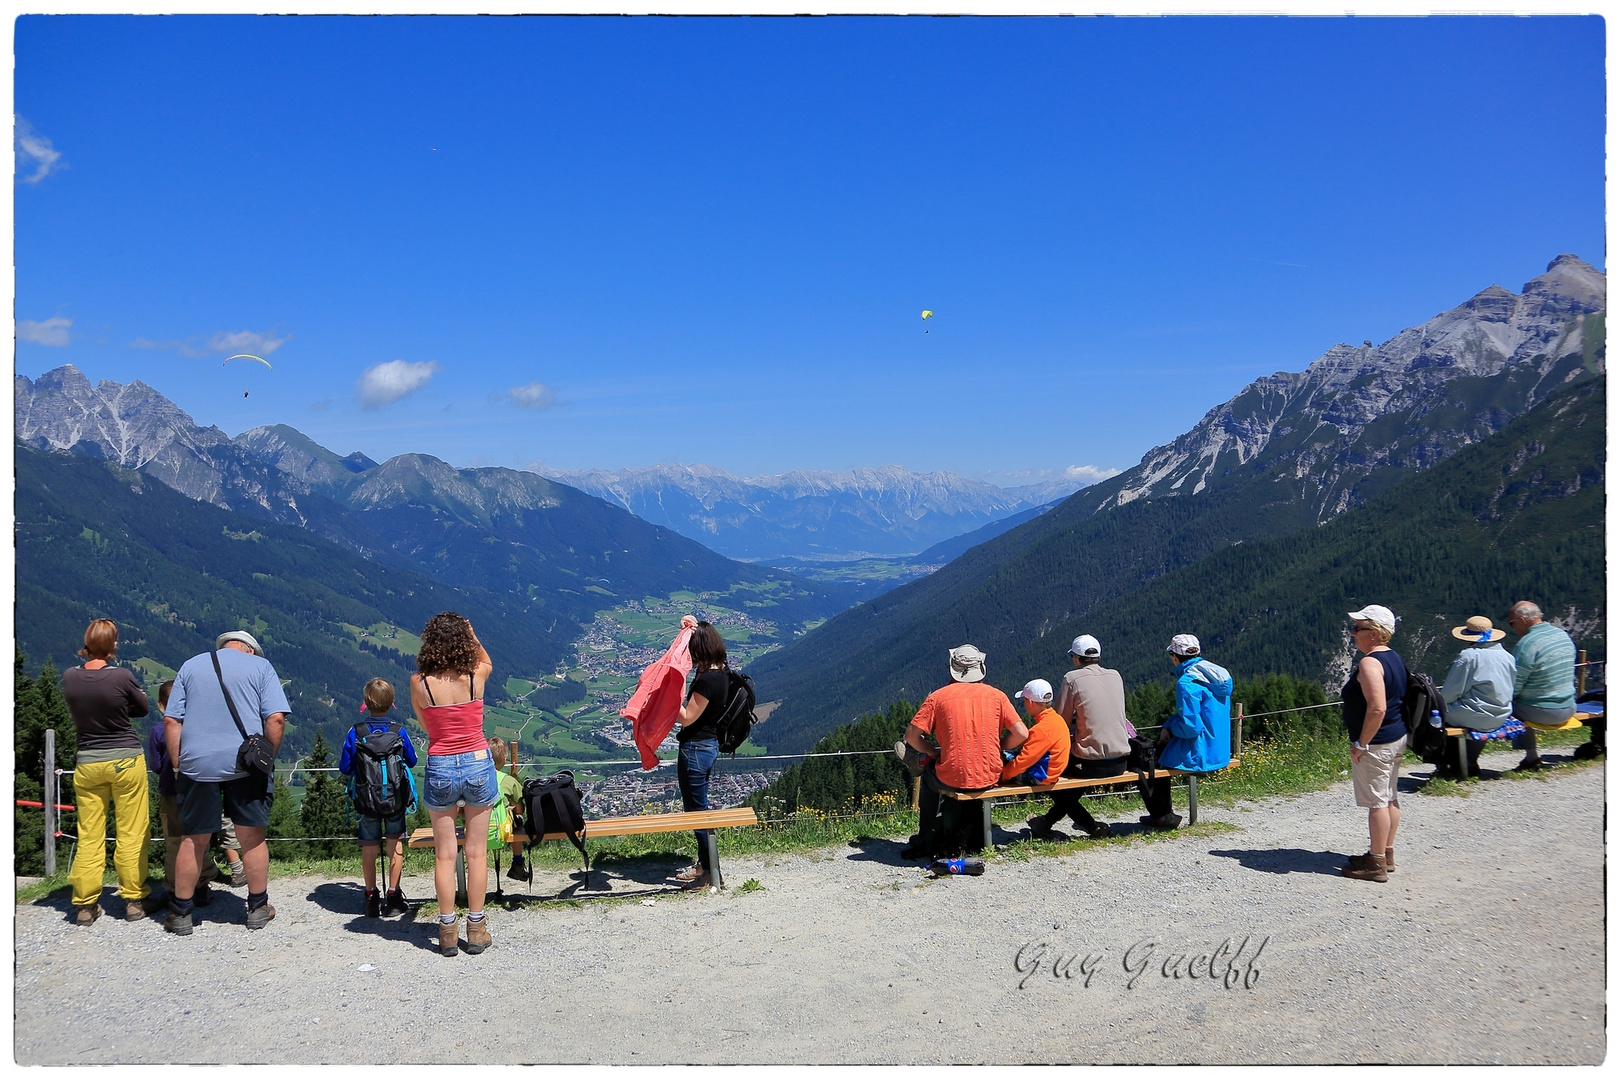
(1486, 946)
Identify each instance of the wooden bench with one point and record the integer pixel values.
(1070, 783)
(641, 824)
(1459, 736)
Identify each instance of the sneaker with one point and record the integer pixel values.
(88, 913)
(1366, 868)
(1039, 828)
(202, 897)
(373, 903)
(448, 938)
(395, 904)
(691, 873)
(519, 870)
(1100, 831)
(1529, 765)
(238, 875)
(258, 918)
(178, 924)
(477, 936)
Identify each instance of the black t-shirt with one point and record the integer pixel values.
(714, 686)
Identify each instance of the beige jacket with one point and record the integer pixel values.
(1091, 701)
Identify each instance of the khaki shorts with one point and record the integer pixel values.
(1375, 775)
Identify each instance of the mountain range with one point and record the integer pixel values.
(1285, 455)
(887, 511)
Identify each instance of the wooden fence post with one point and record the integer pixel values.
(916, 792)
(50, 801)
(1237, 730)
(1580, 673)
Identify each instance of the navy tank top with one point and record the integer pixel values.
(1355, 701)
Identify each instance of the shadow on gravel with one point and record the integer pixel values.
(349, 898)
(1286, 860)
(877, 849)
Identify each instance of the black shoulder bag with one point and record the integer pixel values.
(258, 754)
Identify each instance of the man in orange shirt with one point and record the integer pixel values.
(972, 722)
(1045, 754)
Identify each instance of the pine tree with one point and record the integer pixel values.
(29, 824)
(284, 822)
(325, 811)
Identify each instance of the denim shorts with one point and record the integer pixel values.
(469, 776)
(371, 830)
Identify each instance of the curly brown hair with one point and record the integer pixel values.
(447, 646)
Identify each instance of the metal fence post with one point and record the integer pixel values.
(50, 801)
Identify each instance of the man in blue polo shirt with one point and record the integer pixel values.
(203, 742)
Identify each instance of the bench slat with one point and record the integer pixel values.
(632, 826)
(1069, 783)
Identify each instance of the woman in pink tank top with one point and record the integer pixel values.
(447, 693)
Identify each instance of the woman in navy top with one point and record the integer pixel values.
(1373, 719)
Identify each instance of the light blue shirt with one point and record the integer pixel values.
(1479, 688)
(209, 740)
(1546, 675)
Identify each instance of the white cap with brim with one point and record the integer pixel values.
(1378, 615)
(1036, 690)
(1183, 645)
(1085, 645)
(239, 635)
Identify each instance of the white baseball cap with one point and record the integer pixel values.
(1037, 690)
(1378, 615)
(1085, 645)
(1183, 645)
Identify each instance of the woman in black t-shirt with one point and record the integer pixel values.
(699, 738)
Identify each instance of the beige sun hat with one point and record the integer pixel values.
(239, 635)
(967, 664)
(1477, 629)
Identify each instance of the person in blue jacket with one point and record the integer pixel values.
(372, 831)
(1198, 736)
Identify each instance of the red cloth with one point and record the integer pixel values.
(656, 704)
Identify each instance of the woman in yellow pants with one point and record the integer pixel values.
(110, 772)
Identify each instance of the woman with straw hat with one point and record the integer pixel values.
(1479, 686)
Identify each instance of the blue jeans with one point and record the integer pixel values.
(692, 767)
(469, 776)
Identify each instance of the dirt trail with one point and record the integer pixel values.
(1486, 946)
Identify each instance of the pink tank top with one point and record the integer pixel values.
(454, 729)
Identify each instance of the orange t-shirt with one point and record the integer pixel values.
(1048, 734)
(967, 719)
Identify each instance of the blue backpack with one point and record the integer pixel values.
(381, 784)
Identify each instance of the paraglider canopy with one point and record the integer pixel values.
(249, 356)
(927, 314)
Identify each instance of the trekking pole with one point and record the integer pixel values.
(50, 801)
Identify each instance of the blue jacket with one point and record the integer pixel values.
(376, 723)
(1201, 727)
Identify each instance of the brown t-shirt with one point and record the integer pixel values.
(1091, 700)
(101, 703)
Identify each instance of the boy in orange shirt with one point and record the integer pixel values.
(1042, 757)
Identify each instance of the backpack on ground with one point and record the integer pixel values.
(381, 784)
(551, 805)
(738, 720)
(1423, 698)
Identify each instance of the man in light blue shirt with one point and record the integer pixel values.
(1479, 687)
(203, 743)
(1544, 688)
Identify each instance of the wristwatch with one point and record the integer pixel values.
(1359, 745)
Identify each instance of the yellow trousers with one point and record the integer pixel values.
(123, 785)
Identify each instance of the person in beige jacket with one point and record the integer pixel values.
(1091, 700)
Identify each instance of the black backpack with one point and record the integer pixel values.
(1143, 757)
(738, 720)
(381, 784)
(551, 804)
(1423, 698)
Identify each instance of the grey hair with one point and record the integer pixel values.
(1524, 609)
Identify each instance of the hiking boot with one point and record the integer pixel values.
(1039, 828)
(702, 881)
(1100, 831)
(178, 924)
(395, 904)
(1587, 751)
(448, 938)
(88, 913)
(373, 903)
(519, 870)
(914, 761)
(1367, 867)
(1529, 765)
(238, 875)
(258, 918)
(136, 910)
(1389, 860)
(202, 897)
(1163, 824)
(477, 936)
(916, 848)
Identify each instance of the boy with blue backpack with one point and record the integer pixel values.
(377, 758)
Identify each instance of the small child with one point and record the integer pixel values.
(371, 831)
(511, 789)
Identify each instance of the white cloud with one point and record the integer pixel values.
(384, 384)
(239, 341)
(535, 395)
(1088, 474)
(49, 332)
(34, 151)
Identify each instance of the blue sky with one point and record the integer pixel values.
(623, 241)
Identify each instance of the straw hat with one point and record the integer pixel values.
(1477, 629)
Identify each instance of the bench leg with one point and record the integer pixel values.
(712, 848)
(461, 873)
(1192, 800)
(989, 843)
(1462, 757)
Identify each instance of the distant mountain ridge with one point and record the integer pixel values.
(1279, 458)
(886, 511)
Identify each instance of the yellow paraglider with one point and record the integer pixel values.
(927, 314)
(262, 360)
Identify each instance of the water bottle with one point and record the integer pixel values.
(972, 867)
(1434, 719)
